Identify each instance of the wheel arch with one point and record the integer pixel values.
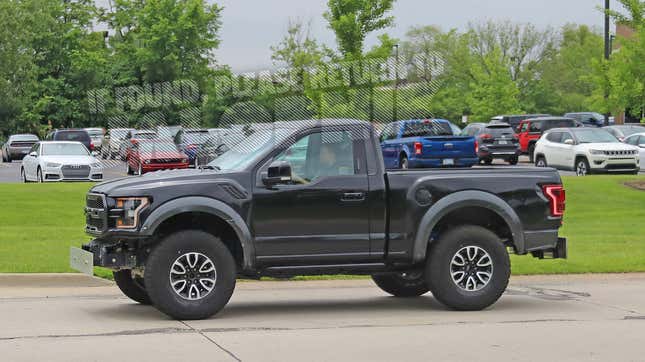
(479, 208)
(205, 214)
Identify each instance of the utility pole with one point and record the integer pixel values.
(395, 100)
(607, 50)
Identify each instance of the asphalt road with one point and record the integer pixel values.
(559, 318)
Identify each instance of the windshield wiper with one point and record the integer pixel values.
(209, 167)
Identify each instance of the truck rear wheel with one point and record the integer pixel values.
(190, 275)
(468, 268)
(406, 284)
(132, 286)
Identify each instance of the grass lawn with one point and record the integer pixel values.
(605, 225)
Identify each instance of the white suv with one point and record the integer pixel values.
(585, 150)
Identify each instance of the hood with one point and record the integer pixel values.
(615, 146)
(70, 160)
(162, 155)
(142, 185)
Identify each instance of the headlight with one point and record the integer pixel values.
(184, 160)
(96, 165)
(52, 164)
(131, 207)
(597, 152)
(147, 162)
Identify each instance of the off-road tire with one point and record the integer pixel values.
(439, 264)
(409, 284)
(132, 286)
(160, 262)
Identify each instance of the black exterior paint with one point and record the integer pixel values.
(362, 223)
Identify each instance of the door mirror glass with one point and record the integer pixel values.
(33, 154)
(568, 141)
(279, 172)
(642, 145)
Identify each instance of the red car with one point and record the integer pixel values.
(530, 130)
(153, 155)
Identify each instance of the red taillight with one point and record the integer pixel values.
(191, 147)
(516, 136)
(91, 146)
(418, 148)
(485, 136)
(557, 199)
(476, 146)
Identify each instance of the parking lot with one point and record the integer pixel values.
(77, 318)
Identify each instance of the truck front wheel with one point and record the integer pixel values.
(468, 268)
(132, 286)
(406, 284)
(190, 275)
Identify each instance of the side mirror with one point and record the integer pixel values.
(33, 154)
(279, 172)
(94, 153)
(568, 141)
(642, 145)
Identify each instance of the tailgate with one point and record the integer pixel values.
(448, 147)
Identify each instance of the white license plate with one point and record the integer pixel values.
(448, 162)
(81, 260)
(503, 142)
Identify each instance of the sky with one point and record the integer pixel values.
(250, 27)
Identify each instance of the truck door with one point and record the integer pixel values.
(322, 215)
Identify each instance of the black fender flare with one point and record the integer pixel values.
(459, 200)
(209, 206)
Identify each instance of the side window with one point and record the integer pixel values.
(386, 134)
(535, 127)
(524, 127)
(317, 155)
(554, 137)
(633, 140)
(566, 136)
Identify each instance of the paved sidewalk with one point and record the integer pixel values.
(71, 317)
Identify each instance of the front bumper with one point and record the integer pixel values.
(114, 255)
(18, 153)
(163, 166)
(56, 174)
(614, 164)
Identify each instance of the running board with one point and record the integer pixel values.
(325, 269)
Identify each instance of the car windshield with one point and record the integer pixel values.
(24, 137)
(427, 129)
(586, 135)
(95, 132)
(197, 138)
(119, 133)
(144, 135)
(168, 132)
(630, 130)
(251, 149)
(72, 136)
(64, 149)
(496, 131)
(149, 147)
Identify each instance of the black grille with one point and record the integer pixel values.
(621, 166)
(95, 213)
(94, 201)
(167, 160)
(619, 153)
(76, 171)
(22, 144)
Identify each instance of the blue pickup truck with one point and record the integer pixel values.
(426, 143)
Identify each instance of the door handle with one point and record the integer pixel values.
(353, 197)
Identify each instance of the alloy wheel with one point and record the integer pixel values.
(581, 169)
(193, 276)
(540, 162)
(471, 268)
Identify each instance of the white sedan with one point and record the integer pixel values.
(585, 150)
(60, 161)
(638, 140)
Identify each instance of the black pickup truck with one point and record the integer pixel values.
(311, 198)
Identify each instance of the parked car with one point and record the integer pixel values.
(219, 141)
(96, 134)
(168, 132)
(189, 140)
(112, 142)
(585, 151)
(72, 135)
(17, 146)
(638, 140)
(588, 119)
(625, 130)
(154, 155)
(178, 239)
(530, 130)
(426, 143)
(514, 120)
(495, 141)
(131, 138)
(60, 161)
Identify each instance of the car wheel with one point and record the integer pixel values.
(196, 161)
(540, 162)
(4, 159)
(402, 284)
(128, 170)
(132, 286)
(468, 268)
(140, 170)
(513, 160)
(23, 175)
(582, 167)
(190, 275)
(531, 153)
(39, 175)
(488, 161)
(404, 163)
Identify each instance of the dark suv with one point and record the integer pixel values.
(494, 141)
(515, 119)
(68, 134)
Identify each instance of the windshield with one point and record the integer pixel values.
(119, 133)
(499, 131)
(594, 136)
(427, 129)
(168, 132)
(630, 130)
(95, 132)
(80, 136)
(196, 137)
(148, 147)
(64, 149)
(247, 152)
(27, 137)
